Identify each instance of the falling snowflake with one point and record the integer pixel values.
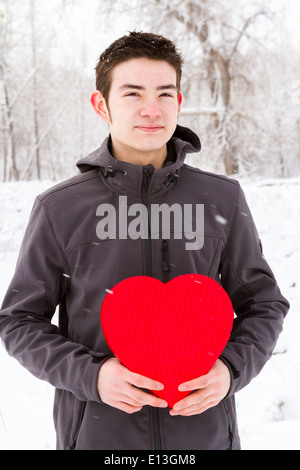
(220, 219)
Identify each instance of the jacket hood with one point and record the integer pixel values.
(184, 141)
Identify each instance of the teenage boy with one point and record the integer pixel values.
(65, 260)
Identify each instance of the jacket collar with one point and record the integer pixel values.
(126, 178)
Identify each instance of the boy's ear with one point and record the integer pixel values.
(179, 101)
(99, 105)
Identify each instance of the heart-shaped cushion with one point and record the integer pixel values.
(171, 332)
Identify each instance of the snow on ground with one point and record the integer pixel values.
(268, 409)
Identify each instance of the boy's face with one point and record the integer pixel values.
(142, 111)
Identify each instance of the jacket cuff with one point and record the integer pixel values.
(234, 375)
(97, 361)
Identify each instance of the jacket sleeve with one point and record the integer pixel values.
(26, 330)
(258, 303)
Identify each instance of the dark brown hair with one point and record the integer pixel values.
(136, 45)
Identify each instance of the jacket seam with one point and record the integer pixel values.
(225, 179)
(98, 241)
(215, 255)
(68, 435)
(78, 424)
(233, 217)
(228, 421)
(48, 193)
(238, 279)
(225, 252)
(53, 231)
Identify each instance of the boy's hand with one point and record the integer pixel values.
(117, 387)
(210, 390)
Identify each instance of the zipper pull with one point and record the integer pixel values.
(146, 176)
(165, 256)
(147, 173)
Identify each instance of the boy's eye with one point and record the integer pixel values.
(163, 95)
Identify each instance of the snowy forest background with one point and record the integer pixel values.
(241, 89)
(241, 80)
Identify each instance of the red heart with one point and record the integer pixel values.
(171, 332)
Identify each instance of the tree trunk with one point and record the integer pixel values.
(10, 170)
(35, 100)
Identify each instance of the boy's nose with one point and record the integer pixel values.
(151, 109)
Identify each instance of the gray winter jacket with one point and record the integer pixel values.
(64, 263)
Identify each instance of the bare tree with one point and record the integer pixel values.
(213, 27)
(44, 124)
(10, 170)
(35, 89)
(227, 69)
(237, 92)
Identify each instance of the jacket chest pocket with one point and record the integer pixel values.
(173, 258)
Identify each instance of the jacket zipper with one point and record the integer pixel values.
(165, 260)
(147, 173)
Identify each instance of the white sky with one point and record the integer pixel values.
(291, 18)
